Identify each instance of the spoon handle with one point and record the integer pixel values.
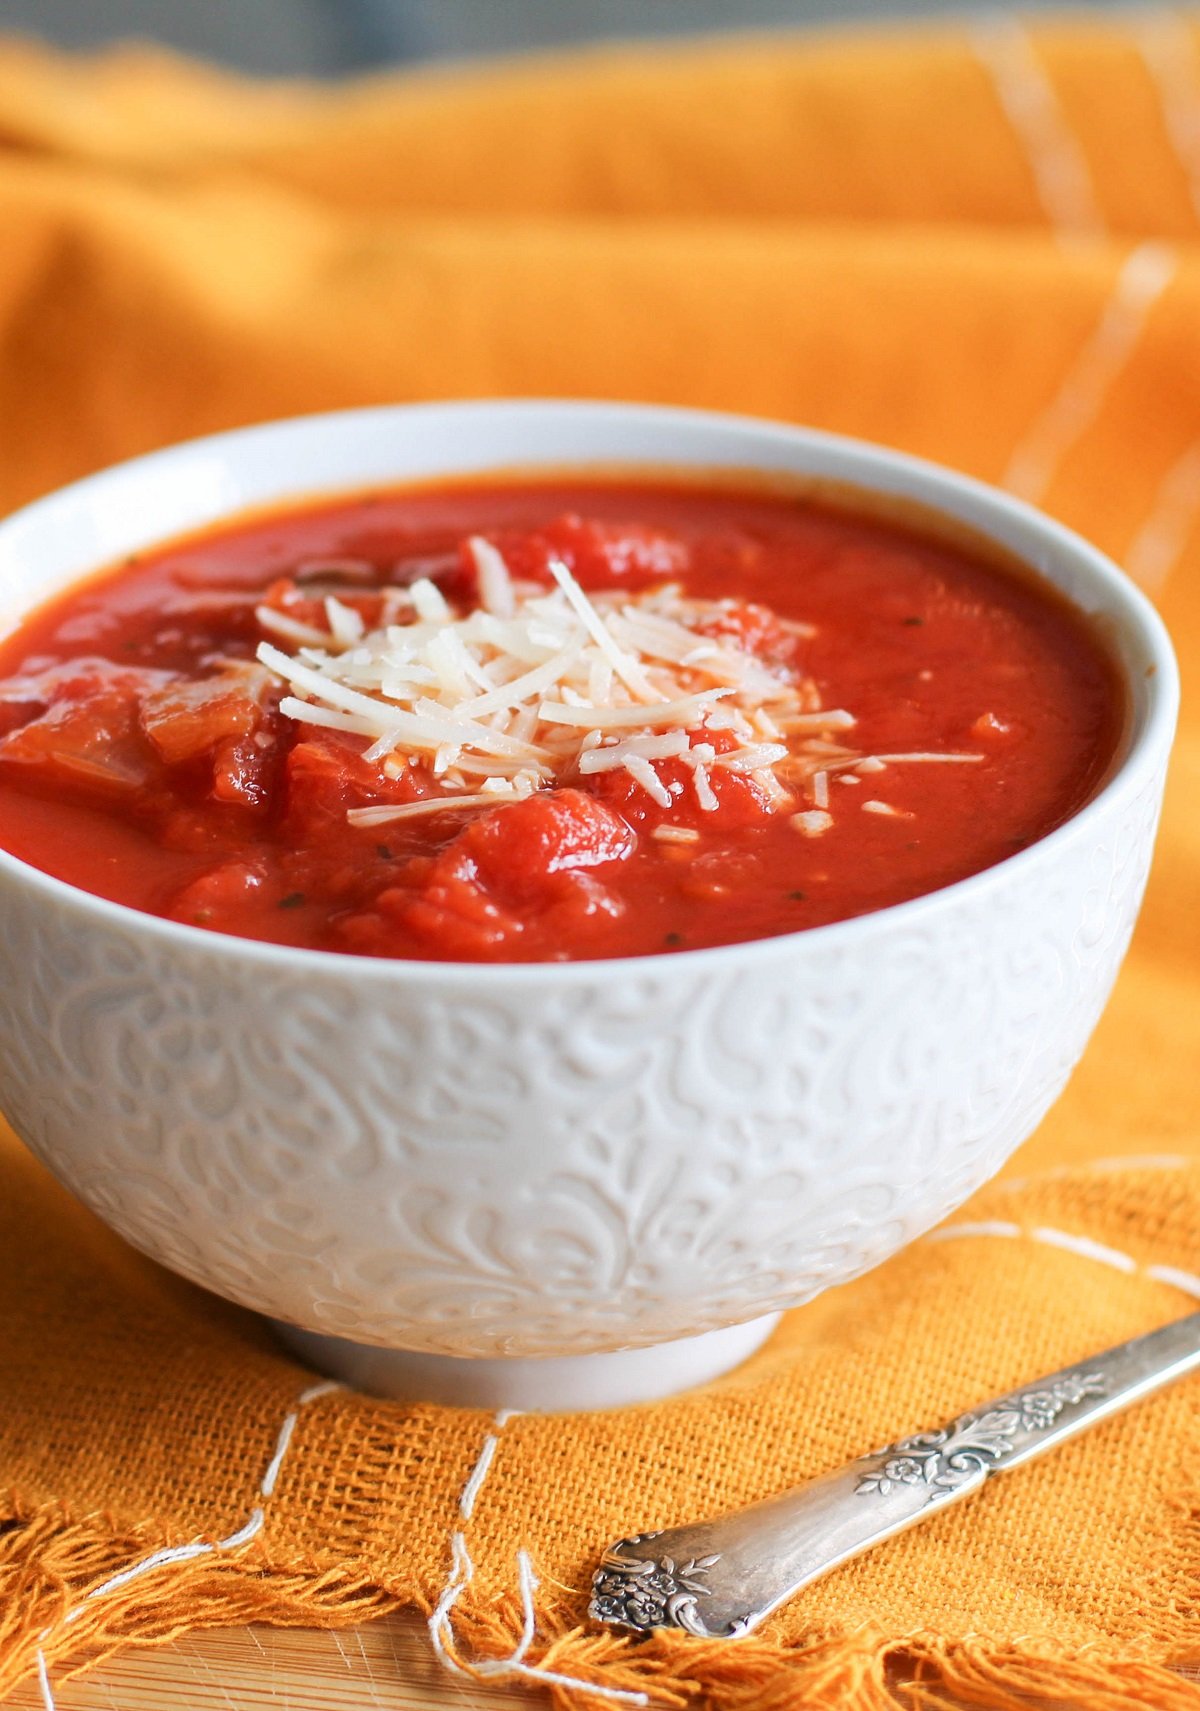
(719, 1579)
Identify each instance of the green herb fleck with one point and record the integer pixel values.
(914, 620)
(673, 939)
(383, 852)
(293, 900)
(798, 896)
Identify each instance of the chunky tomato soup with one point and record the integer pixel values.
(544, 720)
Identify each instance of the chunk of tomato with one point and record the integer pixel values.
(244, 771)
(325, 775)
(756, 630)
(518, 846)
(216, 898)
(519, 868)
(597, 553)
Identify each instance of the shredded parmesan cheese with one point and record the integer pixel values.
(813, 822)
(428, 601)
(688, 709)
(644, 774)
(495, 584)
(946, 755)
(535, 686)
(289, 629)
(705, 794)
(412, 810)
(604, 759)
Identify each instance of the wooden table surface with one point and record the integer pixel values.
(385, 1666)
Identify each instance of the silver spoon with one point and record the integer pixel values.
(719, 1579)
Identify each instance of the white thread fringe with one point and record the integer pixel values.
(441, 1633)
(1168, 49)
(44, 1682)
(1104, 1167)
(1173, 515)
(1144, 276)
(462, 1571)
(1072, 1243)
(1059, 166)
(479, 1473)
(198, 1548)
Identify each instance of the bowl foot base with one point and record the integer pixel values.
(550, 1384)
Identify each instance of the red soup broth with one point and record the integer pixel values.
(145, 756)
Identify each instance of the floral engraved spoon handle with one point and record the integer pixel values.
(719, 1579)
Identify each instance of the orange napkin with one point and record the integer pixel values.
(980, 244)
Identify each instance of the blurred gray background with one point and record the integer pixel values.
(327, 37)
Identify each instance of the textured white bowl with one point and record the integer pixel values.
(556, 1160)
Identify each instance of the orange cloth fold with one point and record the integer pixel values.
(979, 243)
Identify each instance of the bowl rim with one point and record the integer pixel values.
(1137, 616)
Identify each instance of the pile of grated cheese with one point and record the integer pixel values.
(534, 686)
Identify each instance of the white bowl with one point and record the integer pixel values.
(479, 1183)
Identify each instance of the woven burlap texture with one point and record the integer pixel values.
(980, 245)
